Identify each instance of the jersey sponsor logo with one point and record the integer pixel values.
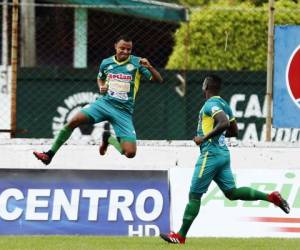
(119, 95)
(123, 77)
(293, 76)
(119, 86)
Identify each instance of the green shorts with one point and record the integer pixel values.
(120, 119)
(212, 167)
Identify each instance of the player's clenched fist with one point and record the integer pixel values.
(144, 62)
(198, 140)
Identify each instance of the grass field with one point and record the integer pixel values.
(135, 243)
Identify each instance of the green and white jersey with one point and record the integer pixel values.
(123, 79)
(206, 124)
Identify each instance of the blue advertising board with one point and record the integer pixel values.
(89, 202)
(286, 95)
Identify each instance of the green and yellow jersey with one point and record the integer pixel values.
(206, 124)
(123, 79)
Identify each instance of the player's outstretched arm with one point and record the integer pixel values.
(155, 74)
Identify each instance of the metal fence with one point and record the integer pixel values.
(61, 47)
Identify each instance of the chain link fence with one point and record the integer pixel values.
(5, 76)
(60, 50)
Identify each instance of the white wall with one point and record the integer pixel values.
(17, 153)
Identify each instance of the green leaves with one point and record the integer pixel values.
(223, 37)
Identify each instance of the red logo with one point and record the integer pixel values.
(119, 77)
(293, 76)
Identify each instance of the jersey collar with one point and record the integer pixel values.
(121, 63)
(215, 96)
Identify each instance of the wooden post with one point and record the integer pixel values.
(4, 36)
(270, 63)
(186, 55)
(14, 63)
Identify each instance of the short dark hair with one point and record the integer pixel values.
(124, 37)
(214, 82)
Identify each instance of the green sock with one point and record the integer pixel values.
(246, 194)
(190, 213)
(63, 135)
(113, 141)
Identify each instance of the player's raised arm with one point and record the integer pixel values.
(155, 74)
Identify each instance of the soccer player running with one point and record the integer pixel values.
(118, 81)
(216, 122)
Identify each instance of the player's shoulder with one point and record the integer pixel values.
(135, 59)
(208, 105)
(218, 100)
(213, 101)
(216, 103)
(223, 104)
(107, 60)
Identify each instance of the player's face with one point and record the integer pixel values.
(123, 50)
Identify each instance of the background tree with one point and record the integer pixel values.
(195, 3)
(225, 38)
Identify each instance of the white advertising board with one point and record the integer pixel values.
(219, 217)
(267, 167)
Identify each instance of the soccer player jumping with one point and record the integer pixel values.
(118, 80)
(216, 122)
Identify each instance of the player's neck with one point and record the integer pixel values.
(210, 94)
(120, 60)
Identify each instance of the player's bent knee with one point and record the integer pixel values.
(230, 194)
(72, 124)
(129, 154)
(77, 120)
(129, 149)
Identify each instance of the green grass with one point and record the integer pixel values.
(135, 243)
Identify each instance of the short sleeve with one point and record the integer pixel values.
(213, 108)
(230, 115)
(101, 74)
(145, 72)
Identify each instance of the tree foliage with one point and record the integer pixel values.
(225, 38)
(197, 3)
